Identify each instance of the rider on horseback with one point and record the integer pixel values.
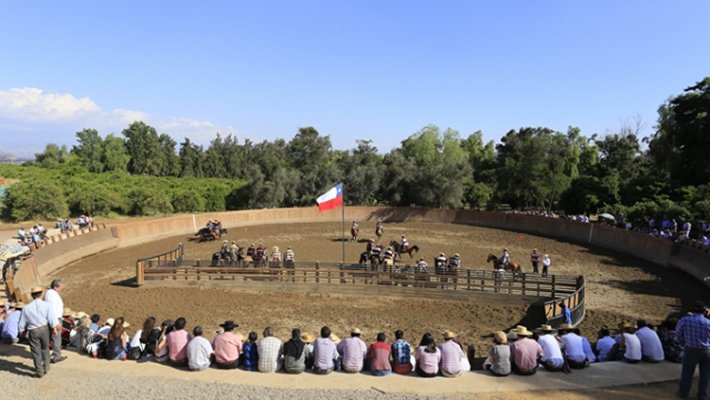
(454, 264)
(375, 254)
(505, 258)
(370, 246)
(403, 245)
(388, 254)
(354, 229)
(421, 266)
(379, 228)
(440, 264)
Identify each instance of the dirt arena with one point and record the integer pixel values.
(619, 287)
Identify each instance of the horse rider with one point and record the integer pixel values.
(535, 260)
(261, 254)
(453, 267)
(224, 249)
(422, 266)
(440, 266)
(505, 258)
(379, 227)
(388, 255)
(289, 256)
(404, 244)
(354, 229)
(375, 254)
(370, 246)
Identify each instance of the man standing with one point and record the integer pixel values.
(535, 260)
(693, 333)
(567, 313)
(270, 350)
(545, 264)
(38, 319)
(354, 351)
(55, 300)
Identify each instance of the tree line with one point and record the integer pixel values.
(142, 172)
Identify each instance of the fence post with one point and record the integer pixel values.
(553, 286)
(139, 273)
(317, 273)
(524, 281)
(468, 279)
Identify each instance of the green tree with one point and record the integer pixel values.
(682, 141)
(52, 156)
(143, 147)
(115, 157)
(191, 159)
(35, 199)
(310, 154)
(167, 159)
(362, 172)
(90, 150)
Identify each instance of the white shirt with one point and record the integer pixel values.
(572, 344)
(198, 353)
(633, 346)
(546, 261)
(53, 297)
(604, 346)
(550, 347)
(651, 346)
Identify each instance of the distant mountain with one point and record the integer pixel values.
(7, 157)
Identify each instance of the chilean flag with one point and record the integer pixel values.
(331, 199)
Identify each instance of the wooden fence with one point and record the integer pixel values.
(554, 313)
(172, 257)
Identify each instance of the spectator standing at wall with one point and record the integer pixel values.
(693, 333)
(54, 298)
(535, 260)
(546, 261)
(38, 320)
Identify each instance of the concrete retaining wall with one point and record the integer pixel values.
(694, 262)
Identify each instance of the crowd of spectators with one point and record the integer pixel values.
(33, 238)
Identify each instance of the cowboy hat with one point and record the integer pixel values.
(500, 337)
(110, 321)
(442, 254)
(546, 328)
(67, 312)
(627, 325)
(334, 338)
(522, 331)
(308, 338)
(79, 315)
(355, 331)
(229, 325)
(449, 335)
(566, 327)
(457, 255)
(37, 289)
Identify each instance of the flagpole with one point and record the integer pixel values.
(343, 216)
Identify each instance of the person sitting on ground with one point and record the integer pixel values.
(117, 341)
(525, 352)
(379, 355)
(672, 350)
(295, 353)
(604, 345)
(552, 359)
(651, 346)
(353, 350)
(586, 346)
(199, 351)
(325, 353)
(270, 350)
(10, 332)
(95, 319)
(227, 346)
(250, 355)
(498, 361)
(628, 346)
(177, 341)
(308, 339)
(161, 351)
(401, 354)
(451, 356)
(135, 346)
(428, 357)
(149, 338)
(84, 334)
(572, 347)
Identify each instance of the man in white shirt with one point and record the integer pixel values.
(629, 343)
(651, 347)
(573, 347)
(551, 352)
(55, 300)
(270, 350)
(199, 351)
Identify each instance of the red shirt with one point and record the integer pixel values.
(379, 354)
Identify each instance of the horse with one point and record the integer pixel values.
(379, 231)
(508, 267)
(399, 250)
(206, 234)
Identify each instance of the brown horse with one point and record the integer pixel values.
(399, 251)
(354, 231)
(508, 267)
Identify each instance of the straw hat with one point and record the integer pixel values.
(546, 328)
(449, 335)
(219, 331)
(67, 312)
(522, 331)
(500, 337)
(457, 255)
(356, 331)
(442, 254)
(110, 321)
(36, 289)
(627, 325)
(334, 338)
(308, 337)
(566, 327)
(79, 315)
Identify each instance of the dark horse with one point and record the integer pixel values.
(508, 267)
(397, 248)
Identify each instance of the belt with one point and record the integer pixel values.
(39, 327)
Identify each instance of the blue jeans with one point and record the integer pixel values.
(381, 372)
(695, 356)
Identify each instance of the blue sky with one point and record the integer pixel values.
(378, 70)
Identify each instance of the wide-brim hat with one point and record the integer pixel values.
(442, 254)
(566, 327)
(67, 312)
(500, 337)
(457, 255)
(308, 337)
(110, 321)
(522, 331)
(356, 331)
(334, 338)
(449, 335)
(627, 325)
(79, 315)
(229, 325)
(36, 289)
(546, 328)
(16, 305)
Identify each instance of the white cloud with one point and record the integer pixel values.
(36, 105)
(199, 131)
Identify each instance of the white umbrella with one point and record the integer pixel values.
(607, 216)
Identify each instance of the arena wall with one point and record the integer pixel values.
(48, 259)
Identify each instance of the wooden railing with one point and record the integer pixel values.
(554, 313)
(166, 268)
(172, 258)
